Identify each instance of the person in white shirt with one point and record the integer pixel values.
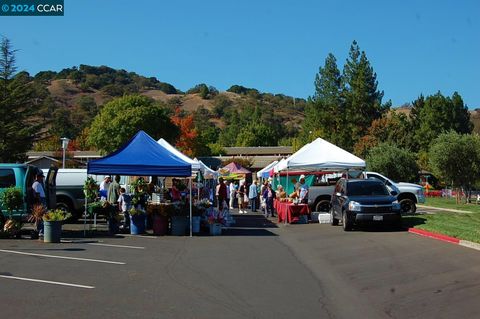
(104, 185)
(39, 190)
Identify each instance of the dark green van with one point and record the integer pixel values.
(23, 176)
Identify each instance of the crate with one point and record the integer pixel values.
(324, 218)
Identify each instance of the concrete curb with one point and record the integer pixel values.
(445, 238)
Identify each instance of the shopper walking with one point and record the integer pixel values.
(252, 196)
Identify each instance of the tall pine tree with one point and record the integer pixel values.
(363, 101)
(17, 104)
(324, 114)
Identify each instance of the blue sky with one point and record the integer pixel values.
(274, 46)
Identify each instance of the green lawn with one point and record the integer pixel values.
(450, 203)
(459, 225)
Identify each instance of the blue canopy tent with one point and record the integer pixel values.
(142, 156)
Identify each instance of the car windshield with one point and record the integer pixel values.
(366, 189)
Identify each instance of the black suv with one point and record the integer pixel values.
(363, 200)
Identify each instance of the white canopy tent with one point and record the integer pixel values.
(264, 171)
(207, 171)
(195, 164)
(321, 155)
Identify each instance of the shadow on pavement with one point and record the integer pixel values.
(407, 222)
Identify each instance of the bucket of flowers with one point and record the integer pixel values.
(215, 220)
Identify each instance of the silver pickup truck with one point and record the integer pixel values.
(320, 193)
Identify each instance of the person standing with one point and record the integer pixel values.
(114, 190)
(104, 187)
(221, 194)
(303, 190)
(124, 201)
(269, 196)
(40, 198)
(241, 198)
(252, 196)
(233, 192)
(228, 184)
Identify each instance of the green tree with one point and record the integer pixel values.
(392, 161)
(439, 114)
(456, 159)
(324, 112)
(123, 117)
(363, 101)
(17, 103)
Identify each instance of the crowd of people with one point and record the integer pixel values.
(256, 196)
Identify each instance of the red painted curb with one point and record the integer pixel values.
(441, 237)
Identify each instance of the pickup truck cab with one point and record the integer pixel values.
(22, 176)
(409, 195)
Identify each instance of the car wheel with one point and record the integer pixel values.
(407, 206)
(322, 206)
(346, 222)
(333, 220)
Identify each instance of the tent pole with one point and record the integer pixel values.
(285, 222)
(190, 206)
(85, 218)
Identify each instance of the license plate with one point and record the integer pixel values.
(377, 218)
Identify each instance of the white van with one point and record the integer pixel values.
(69, 187)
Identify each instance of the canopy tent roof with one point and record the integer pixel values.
(274, 169)
(264, 172)
(321, 155)
(142, 155)
(195, 164)
(233, 168)
(207, 171)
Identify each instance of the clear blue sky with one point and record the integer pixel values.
(274, 46)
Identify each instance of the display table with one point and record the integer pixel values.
(289, 211)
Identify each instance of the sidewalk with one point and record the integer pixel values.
(445, 209)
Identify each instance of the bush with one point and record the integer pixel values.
(392, 161)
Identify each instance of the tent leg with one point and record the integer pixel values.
(191, 207)
(285, 222)
(85, 218)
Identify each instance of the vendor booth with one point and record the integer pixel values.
(317, 157)
(143, 156)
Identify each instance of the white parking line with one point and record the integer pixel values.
(63, 257)
(48, 282)
(119, 246)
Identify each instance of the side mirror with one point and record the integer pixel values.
(394, 193)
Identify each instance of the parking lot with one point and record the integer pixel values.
(258, 270)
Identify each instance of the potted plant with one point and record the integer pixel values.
(215, 220)
(36, 217)
(52, 225)
(137, 221)
(198, 212)
(12, 199)
(179, 219)
(90, 189)
(160, 214)
(113, 217)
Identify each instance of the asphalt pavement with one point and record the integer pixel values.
(258, 269)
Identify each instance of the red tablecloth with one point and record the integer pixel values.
(290, 211)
